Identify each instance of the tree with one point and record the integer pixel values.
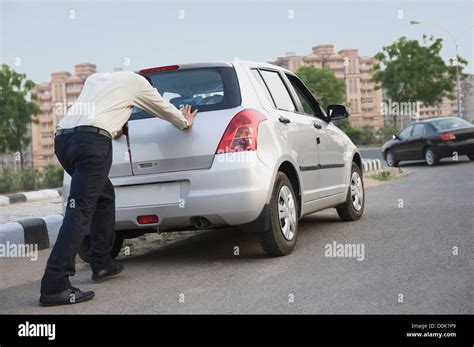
(324, 85)
(413, 72)
(17, 106)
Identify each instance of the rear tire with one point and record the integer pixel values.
(353, 208)
(86, 245)
(390, 159)
(431, 157)
(280, 238)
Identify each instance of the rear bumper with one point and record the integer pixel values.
(447, 149)
(232, 192)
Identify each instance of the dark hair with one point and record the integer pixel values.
(146, 77)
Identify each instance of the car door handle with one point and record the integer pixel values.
(284, 120)
(317, 125)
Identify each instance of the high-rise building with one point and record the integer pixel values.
(447, 107)
(55, 97)
(363, 99)
(468, 97)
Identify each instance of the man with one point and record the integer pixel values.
(83, 145)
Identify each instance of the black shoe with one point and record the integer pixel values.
(107, 273)
(66, 297)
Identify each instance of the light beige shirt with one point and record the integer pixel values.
(107, 99)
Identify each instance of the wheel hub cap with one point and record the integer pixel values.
(389, 159)
(287, 213)
(357, 191)
(429, 157)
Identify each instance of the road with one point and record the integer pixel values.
(409, 265)
(371, 153)
(30, 209)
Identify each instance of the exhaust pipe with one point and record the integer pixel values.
(200, 222)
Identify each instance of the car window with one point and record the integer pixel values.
(262, 85)
(207, 89)
(418, 130)
(308, 102)
(278, 90)
(450, 123)
(405, 132)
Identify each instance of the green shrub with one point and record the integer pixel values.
(6, 182)
(360, 136)
(30, 179)
(53, 176)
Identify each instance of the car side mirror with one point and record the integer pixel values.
(337, 112)
(396, 137)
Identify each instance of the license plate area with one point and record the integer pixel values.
(148, 194)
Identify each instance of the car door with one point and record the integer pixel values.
(296, 128)
(330, 143)
(416, 142)
(401, 148)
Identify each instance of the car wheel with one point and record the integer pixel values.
(280, 238)
(353, 208)
(431, 158)
(86, 245)
(390, 159)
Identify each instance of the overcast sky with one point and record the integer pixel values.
(39, 37)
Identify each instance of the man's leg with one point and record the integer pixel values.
(91, 155)
(102, 231)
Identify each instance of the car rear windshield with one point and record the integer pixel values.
(205, 89)
(450, 124)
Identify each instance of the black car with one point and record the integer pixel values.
(431, 140)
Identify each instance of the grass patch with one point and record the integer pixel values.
(382, 175)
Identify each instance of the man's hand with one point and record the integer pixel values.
(118, 134)
(188, 115)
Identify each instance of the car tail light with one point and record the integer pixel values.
(447, 137)
(159, 69)
(148, 219)
(241, 133)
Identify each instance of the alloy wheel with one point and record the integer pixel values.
(287, 213)
(357, 191)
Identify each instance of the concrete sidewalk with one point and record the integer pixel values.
(38, 195)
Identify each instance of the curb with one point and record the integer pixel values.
(31, 196)
(32, 231)
(371, 164)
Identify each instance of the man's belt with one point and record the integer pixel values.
(87, 128)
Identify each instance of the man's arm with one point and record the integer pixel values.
(149, 100)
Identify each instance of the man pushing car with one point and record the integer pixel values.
(83, 146)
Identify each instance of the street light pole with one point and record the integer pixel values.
(458, 77)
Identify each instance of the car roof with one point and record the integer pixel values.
(429, 120)
(233, 62)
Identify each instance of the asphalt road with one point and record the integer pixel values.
(408, 251)
(371, 153)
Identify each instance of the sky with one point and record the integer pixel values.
(40, 37)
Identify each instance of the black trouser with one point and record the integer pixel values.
(86, 157)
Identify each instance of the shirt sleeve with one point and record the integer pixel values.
(148, 99)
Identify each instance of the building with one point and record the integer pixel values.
(468, 97)
(363, 99)
(54, 98)
(447, 107)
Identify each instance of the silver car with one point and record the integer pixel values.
(261, 154)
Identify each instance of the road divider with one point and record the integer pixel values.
(42, 232)
(38, 195)
(371, 165)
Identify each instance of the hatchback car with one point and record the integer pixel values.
(431, 140)
(261, 154)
